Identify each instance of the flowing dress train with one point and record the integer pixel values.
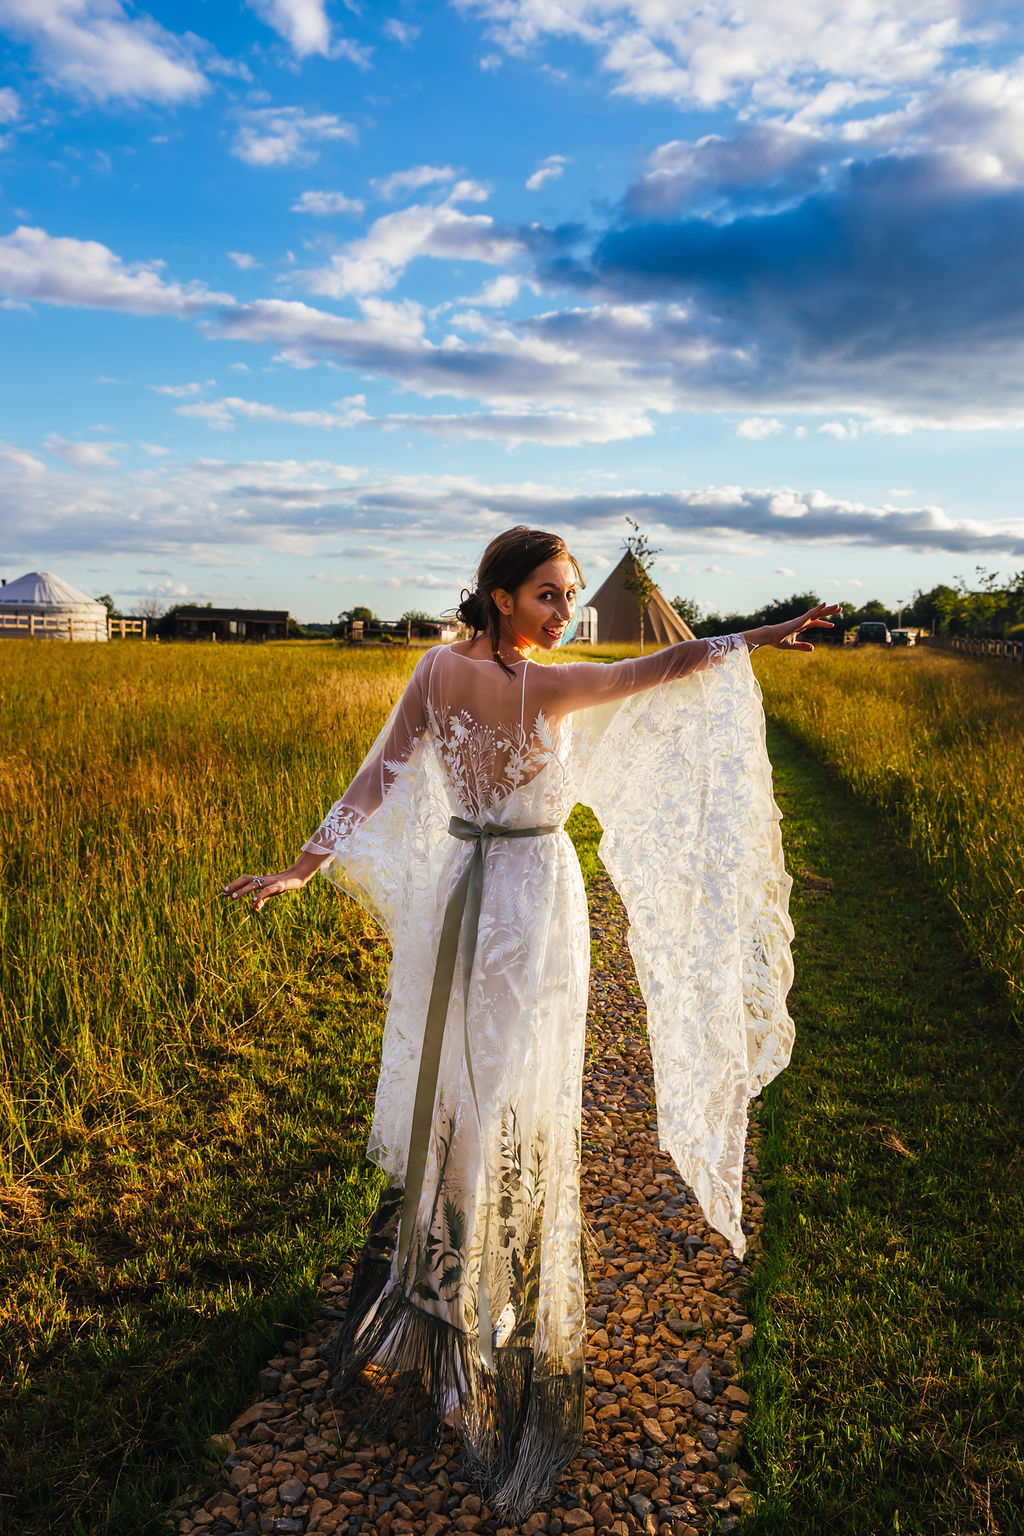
(469, 1290)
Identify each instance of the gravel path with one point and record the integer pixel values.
(665, 1324)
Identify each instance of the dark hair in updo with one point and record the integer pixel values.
(506, 563)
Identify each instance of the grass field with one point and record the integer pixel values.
(187, 1088)
(887, 1299)
(182, 1131)
(936, 741)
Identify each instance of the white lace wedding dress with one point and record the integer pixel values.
(470, 1289)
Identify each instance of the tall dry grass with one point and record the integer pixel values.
(938, 741)
(133, 781)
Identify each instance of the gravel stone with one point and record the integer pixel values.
(702, 1383)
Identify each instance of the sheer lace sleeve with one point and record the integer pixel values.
(392, 749)
(581, 685)
(680, 780)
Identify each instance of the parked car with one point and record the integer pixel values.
(873, 633)
(903, 637)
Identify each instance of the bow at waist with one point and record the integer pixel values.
(468, 831)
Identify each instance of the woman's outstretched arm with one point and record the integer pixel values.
(364, 795)
(581, 684)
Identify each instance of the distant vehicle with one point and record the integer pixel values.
(873, 634)
(904, 637)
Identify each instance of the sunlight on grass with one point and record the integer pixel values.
(937, 742)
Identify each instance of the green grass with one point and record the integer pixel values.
(187, 1086)
(887, 1298)
(937, 741)
(159, 1255)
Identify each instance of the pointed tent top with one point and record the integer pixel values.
(40, 589)
(617, 617)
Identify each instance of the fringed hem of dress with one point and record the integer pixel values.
(521, 1424)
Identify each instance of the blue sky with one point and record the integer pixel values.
(302, 301)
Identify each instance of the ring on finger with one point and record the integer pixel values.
(257, 881)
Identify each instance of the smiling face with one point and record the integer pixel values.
(539, 611)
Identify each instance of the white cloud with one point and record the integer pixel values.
(413, 180)
(756, 428)
(705, 174)
(243, 261)
(554, 427)
(839, 430)
(221, 508)
(509, 369)
(222, 414)
(356, 53)
(325, 203)
(95, 48)
(154, 450)
(497, 293)
(38, 267)
(780, 57)
(550, 169)
(177, 391)
(10, 106)
(376, 261)
(18, 459)
(302, 23)
(270, 136)
(86, 456)
(401, 31)
(785, 570)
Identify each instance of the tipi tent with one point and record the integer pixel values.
(619, 620)
(43, 605)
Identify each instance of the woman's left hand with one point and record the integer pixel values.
(784, 636)
(260, 888)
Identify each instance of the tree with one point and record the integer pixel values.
(782, 608)
(363, 614)
(165, 625)
(688, 611)
(416, 616)
(295, 629)
(113, 612)
(639, 580)
(150, 608)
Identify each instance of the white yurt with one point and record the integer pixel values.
(43, 605)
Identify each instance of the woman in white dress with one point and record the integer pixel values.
(469, 1292)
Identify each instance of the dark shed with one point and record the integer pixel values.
(230, 624)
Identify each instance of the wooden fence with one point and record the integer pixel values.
(1006, 650)
(61, 627)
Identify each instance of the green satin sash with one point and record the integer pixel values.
(462, 915)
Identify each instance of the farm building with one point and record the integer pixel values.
(40, 604)
(617, 616)
(230, 623)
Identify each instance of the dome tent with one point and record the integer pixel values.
(619, 620)
(50, 608)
